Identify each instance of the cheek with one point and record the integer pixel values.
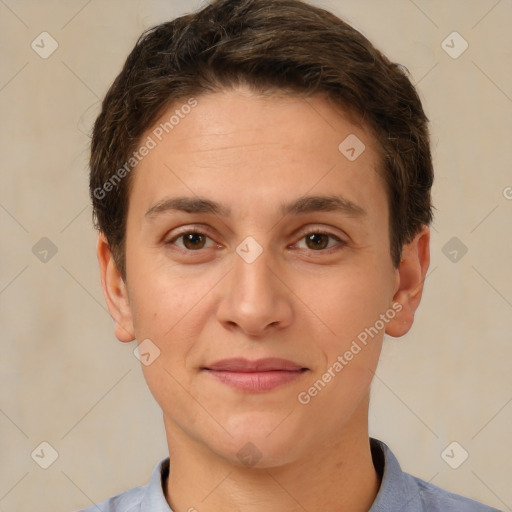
(351, 304)
(161, 300)
(349, 301)
(168, 311)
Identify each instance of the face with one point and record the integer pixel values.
(252, 235)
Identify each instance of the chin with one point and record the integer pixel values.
(260, 440)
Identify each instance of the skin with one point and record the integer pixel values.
(295, 301)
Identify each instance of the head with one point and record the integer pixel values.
(252, 119)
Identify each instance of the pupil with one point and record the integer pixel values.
(318, 240)
(193, 240)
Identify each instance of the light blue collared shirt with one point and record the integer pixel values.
(398, 492)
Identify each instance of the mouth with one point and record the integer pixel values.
(255, 376)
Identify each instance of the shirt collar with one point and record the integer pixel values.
(394, 493)
(154, 497)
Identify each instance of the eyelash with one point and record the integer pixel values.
(340, 243)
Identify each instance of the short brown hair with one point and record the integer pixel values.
(269, 45)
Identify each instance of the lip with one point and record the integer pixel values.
(259, 365)
(255, 376)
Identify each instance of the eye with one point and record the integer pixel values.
(191, 241)
(319, 241)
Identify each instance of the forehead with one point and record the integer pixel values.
(244, 148)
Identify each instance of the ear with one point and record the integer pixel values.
(114, 289)
(410, 277)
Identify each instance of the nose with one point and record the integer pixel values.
(255, 299)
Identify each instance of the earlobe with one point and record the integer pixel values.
(114, 289)
(410, 281)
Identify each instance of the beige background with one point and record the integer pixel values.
(65, 379)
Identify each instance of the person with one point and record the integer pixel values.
(261, 181)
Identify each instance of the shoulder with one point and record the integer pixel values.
(147, 498)
(436, 499)
(407, 493)
(128, 501)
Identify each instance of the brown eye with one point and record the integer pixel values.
(193, 241)
(322, 242)
(317, 241)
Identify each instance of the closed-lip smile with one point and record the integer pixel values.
(255, 376)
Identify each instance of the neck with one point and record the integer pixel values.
(336, 474)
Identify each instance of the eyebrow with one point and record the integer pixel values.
(307, 204)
